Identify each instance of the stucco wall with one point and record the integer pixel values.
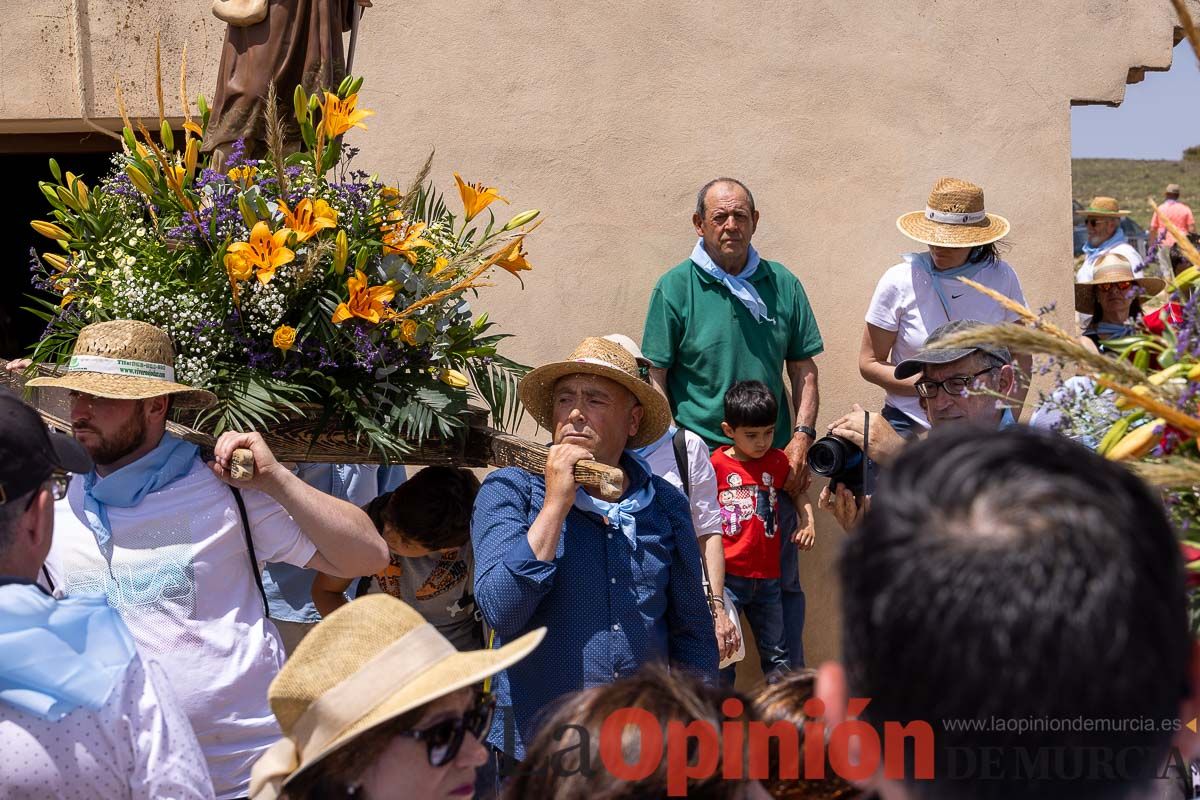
(609, 116)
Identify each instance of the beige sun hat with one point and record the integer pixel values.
(954, 217)
(365, 664)
(1112, 268)
(1102, 207)
(125, 360)
(607, 359)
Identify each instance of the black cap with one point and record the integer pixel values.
(29, 452)
(932, 355)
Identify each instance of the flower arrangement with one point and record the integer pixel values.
(289, 279)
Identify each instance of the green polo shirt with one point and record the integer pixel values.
(707, 341)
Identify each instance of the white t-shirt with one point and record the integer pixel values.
(906, 303)
(137, 745)
(179, 574)
(706, 514)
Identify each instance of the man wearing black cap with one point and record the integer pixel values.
(80, 714)
(956, 385)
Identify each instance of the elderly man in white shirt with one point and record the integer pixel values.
(81, 715)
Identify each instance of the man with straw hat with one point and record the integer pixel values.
(376, 703)
(177, 551)
(616, 584)
(1181, 217)
(81, 715)
(1102, 216)
(726, 315)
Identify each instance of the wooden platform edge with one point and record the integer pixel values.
(484, 446)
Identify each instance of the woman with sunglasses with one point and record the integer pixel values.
(376, 704)
(1113, 299)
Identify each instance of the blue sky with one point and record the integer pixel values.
(1151, 122)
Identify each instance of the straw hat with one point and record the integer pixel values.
(1102, 207)
(954, 217)
(365, 664)
(126, 360)
(1112, 268)
(597, 356)
(1172, 188)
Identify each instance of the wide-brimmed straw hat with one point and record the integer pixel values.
(597, 356)
(1102, 207)
(1112, 268)
(365, 664)
(125, 360)
(954, 217)
(1172, 188)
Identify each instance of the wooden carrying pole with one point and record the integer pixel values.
(293, 441)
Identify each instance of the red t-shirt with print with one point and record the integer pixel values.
(747, 492)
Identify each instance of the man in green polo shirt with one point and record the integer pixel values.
(725, 315)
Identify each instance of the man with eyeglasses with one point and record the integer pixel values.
(957, 385)
(80, 713)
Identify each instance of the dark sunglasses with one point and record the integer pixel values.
(444, 739)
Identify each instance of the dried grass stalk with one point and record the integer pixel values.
(1020, 310)
(1175, 473)
(1189, 27)
(409, 200)
(274, 131)
(1023, 339)
(158, 90)
(1155, 406)
(184, 103)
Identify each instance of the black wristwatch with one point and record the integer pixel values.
(807, 429)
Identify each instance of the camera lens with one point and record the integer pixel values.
(827, 456)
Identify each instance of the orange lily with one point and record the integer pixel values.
(512, 258)
(475, 196)
(339, 116)
(238, 267)
(265, 251)
(403, 244)
(309, 218)
(366, 302)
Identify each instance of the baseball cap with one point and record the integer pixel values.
(29, 452)
(932, 355)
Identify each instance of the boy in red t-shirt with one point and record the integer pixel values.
(750, 475)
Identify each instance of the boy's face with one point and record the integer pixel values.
(750, 442)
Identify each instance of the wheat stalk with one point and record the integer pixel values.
(409, 200)
(1173, 473)
(162, 115)
(1189, 27)
(183, 92)
(1020, 310)
(1155, 406)
(1023, 339)
(274, 131)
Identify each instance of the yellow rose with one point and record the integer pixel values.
(284, 337)
(408, 332)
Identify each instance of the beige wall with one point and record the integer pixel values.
(839, 115)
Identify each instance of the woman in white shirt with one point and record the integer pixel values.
(921, 292)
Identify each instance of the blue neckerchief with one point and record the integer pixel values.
(644, 453)
(620, 514)
(1111, 330)
(738, 285)
(1007, 420)
(59, 655)
(924, 262)
(1117, 238)
(126, 487)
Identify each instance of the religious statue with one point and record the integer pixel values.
(280, 42)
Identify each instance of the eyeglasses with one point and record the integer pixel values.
(445, 739)
(1121, 286)
(956, 385)
(1091, 223)
(58, 483)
